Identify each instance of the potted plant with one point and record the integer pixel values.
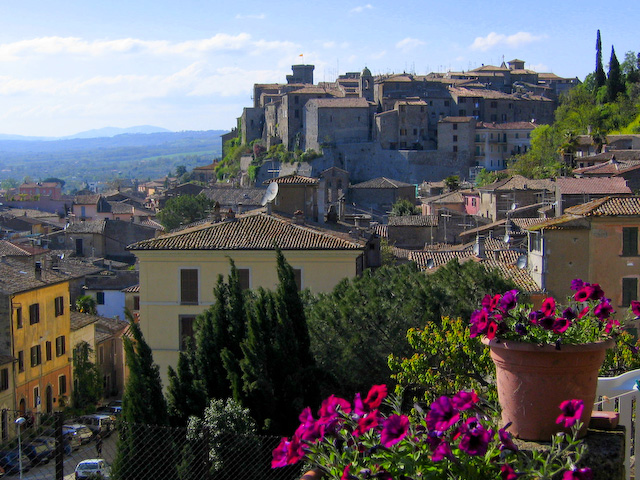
(546, 356)
(453, 437)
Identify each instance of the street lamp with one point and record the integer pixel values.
(19, 422)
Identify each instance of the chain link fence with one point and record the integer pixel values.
(52, 448)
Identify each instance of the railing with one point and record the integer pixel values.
(137, 451)
(621, 394)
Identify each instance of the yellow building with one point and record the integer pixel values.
(34, 314)
(178, 271)
(596, 242)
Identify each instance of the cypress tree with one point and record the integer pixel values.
(600, 76)
(143, 451)
(615, 84)
(184, 398)
(236, 324)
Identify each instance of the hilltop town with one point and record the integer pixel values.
(342, 177)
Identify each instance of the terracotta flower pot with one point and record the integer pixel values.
(534, 380)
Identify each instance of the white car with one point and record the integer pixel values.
(93, 468)
(81, 431)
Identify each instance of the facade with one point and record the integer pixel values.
(36, 332)
(381, 193)
(107, 289)
(596, 242)
(504, 196)
(53, 190)
(178, 271)
(296, 193)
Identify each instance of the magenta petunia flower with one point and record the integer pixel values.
(584, 311)
(394, 429)
(576, 284)
(492, 328)
(509, 300)
(548, 307)
(547, 322)
(598, 293)
(330, 406)
(611, 324)
(635, 307)
(375, 397)
(442, 415)
(464, 400)
(578, 474)
(442, 451)
(359, 408)
(279, 454)
(506, 440)
(372, 420)
(571, 413)
(584, 294)
(569, 313)
(507, 472)
(560, 325)
(345, 473)
(474, 438)
(603, 310)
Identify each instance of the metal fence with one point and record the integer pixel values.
(134, 452)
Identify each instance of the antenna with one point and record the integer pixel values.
(522, 262)
(270, 194)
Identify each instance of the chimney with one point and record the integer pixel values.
(298, 217)
(230, 215)
(38, 271)
(268, 208)
(239, 208)
(357, 222)
(216, 212)
(479, 247)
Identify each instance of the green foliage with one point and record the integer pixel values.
(86, 304)
(87, 389)
(356, 327)
(615, 83)
(9, 183)
(252, 171)
(54, 180)
(230, 430)
(184, 398)
(542, 161)
(445, 361)
(183, 210)
(404, 207)
(486, 177)
(623, 357)
(600, 78)
(452, 182)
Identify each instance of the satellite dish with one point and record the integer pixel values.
(270, 194)
(507, 238)
(430, 263)
(522, 262)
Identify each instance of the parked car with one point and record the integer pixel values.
(71, 438)
(110, 410)
(82, 431)
(92, 468)
(10, 461)
(51, 442)
(115, 403)
(97, 422)
(38, 452)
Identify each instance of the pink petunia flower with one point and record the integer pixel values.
(571, 412)
(375, 397)
(464, 400)
(442, 415)
(372, 420)
(578, 474)
(394, 429)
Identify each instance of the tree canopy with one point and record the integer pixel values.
(183, 210)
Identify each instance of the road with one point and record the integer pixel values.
(48, 471)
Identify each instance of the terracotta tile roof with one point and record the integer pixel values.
(436, 258)
(612, 167)
(292, 179)
(520, 276)
(524, 223)
(620, 156)
(132, 289)
(120, 208)
(507, 125)
(594, 186)
(4, 359)
(457, 119)
(16, 277)
(86, 199)
(413, 221)
(113, 280)
(211, 166)
(448, 197)
(518, 182)
(381, 182)
(567, 221)
(251, 232)
(608, 206)
(111, 325)
(233, 196)
(81, 320)
(89, 226)
(381, 230)
(401, 253)
(12, 250)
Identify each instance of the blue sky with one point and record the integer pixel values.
(74, 65)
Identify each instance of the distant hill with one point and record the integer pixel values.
(96, 133)
(135, 156)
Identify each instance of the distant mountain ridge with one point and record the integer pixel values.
(95, 133)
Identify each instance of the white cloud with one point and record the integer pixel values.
(538, 67)
(498, 39)
(361, 8)
(378, 55)
(260, 16)
(409, 44)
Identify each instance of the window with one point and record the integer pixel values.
(462, 100)
(36, 397)
(34, 313)
(455, 138)
(100, 298)
(629, 291)
(297, 272)
(244, 277)
(4, 379)
(21, 361)
(189, 286)
(62, 384)
(59, 306)
(494, 118)
(455, 126)
(101, 354)
(535, 241)
(415, 131)
(186, 330)
(296, 113)
(630, 241)
(455, 148)
(136, 302)
(446, 103)
(47, 350)
(36, 356)
(462, 113)
(61, 348)
(493, 104)
(19, 317)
